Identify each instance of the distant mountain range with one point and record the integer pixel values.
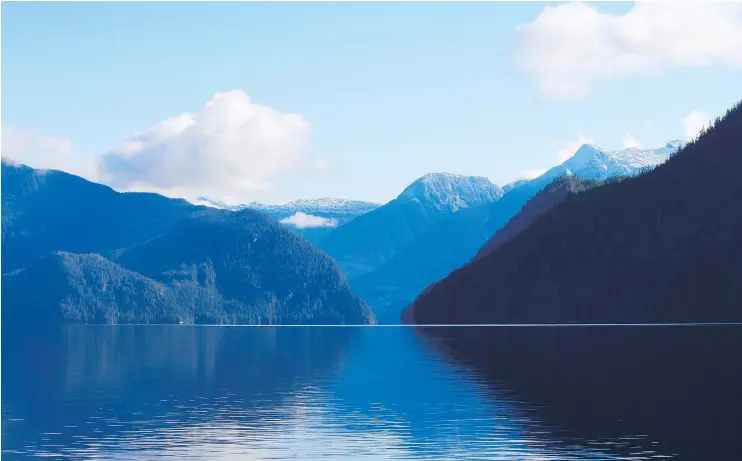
(453, 240)
(665, 246)
(109, 267)
(312, 219)
(592, 162)
(329, 207)
(553, 194)
(108, 257)
(372, 239)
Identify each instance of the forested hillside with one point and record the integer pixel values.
(75, 251)
(665, 246)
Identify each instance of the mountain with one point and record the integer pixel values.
(443, 247)
(104, 256)
(439, 264)
(448, 193)
(312, 219)
(375, 237)
(665, 246)
(592, 162)
(544, 201)
(48, 210)
(326, 207)
(453, 241)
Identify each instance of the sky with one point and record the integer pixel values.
(273, 102)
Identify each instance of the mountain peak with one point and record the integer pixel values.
(330, 203)
(593, 162)
(7, 161)
(675, 144)
(323, 205)
(319, 206)
(583, 156)
(451, 192)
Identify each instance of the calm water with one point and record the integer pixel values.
(180, 392)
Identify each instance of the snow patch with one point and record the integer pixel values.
(451, 192)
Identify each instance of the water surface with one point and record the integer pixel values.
(184, 392)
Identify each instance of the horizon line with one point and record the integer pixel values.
(472, 325)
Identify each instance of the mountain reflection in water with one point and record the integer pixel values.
(183, 392)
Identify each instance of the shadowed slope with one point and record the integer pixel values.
(665, 246)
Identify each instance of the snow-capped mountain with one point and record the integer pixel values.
(319, 207)
(312, 219)
(451, 192)
(593, 162)
(450, 242)
(329, 207)
(369, 241)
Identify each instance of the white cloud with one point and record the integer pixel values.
(302, 220)
(531, 174)
(230, 147)
(566, 152)
(630, 141)
(30, 148)
(693, 123)
(570, 46)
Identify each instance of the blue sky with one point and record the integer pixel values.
(381, 93)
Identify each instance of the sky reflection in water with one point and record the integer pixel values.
(136, 393)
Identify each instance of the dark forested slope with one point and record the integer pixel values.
(445, 245)
(49, 210)
(663, 246)
(439, 261)
(547, 199)
(149, 259)
(454, 240)
(247, 258)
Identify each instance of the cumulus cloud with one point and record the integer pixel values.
(571, 147)
(28, 147)
(232, 146)
(693, 123)
(630, 141)
(303, 220)
(570, 46)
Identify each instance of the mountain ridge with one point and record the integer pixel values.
(309, 206)
(451, 192)
(677, 251)
(155, 259)
(553, 194)
(455, 239)
(371, 239)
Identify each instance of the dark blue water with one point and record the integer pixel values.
(181, 392)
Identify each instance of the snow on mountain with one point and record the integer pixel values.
(451, 192)
(593, 162)
(203, 201)
(321, 206)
